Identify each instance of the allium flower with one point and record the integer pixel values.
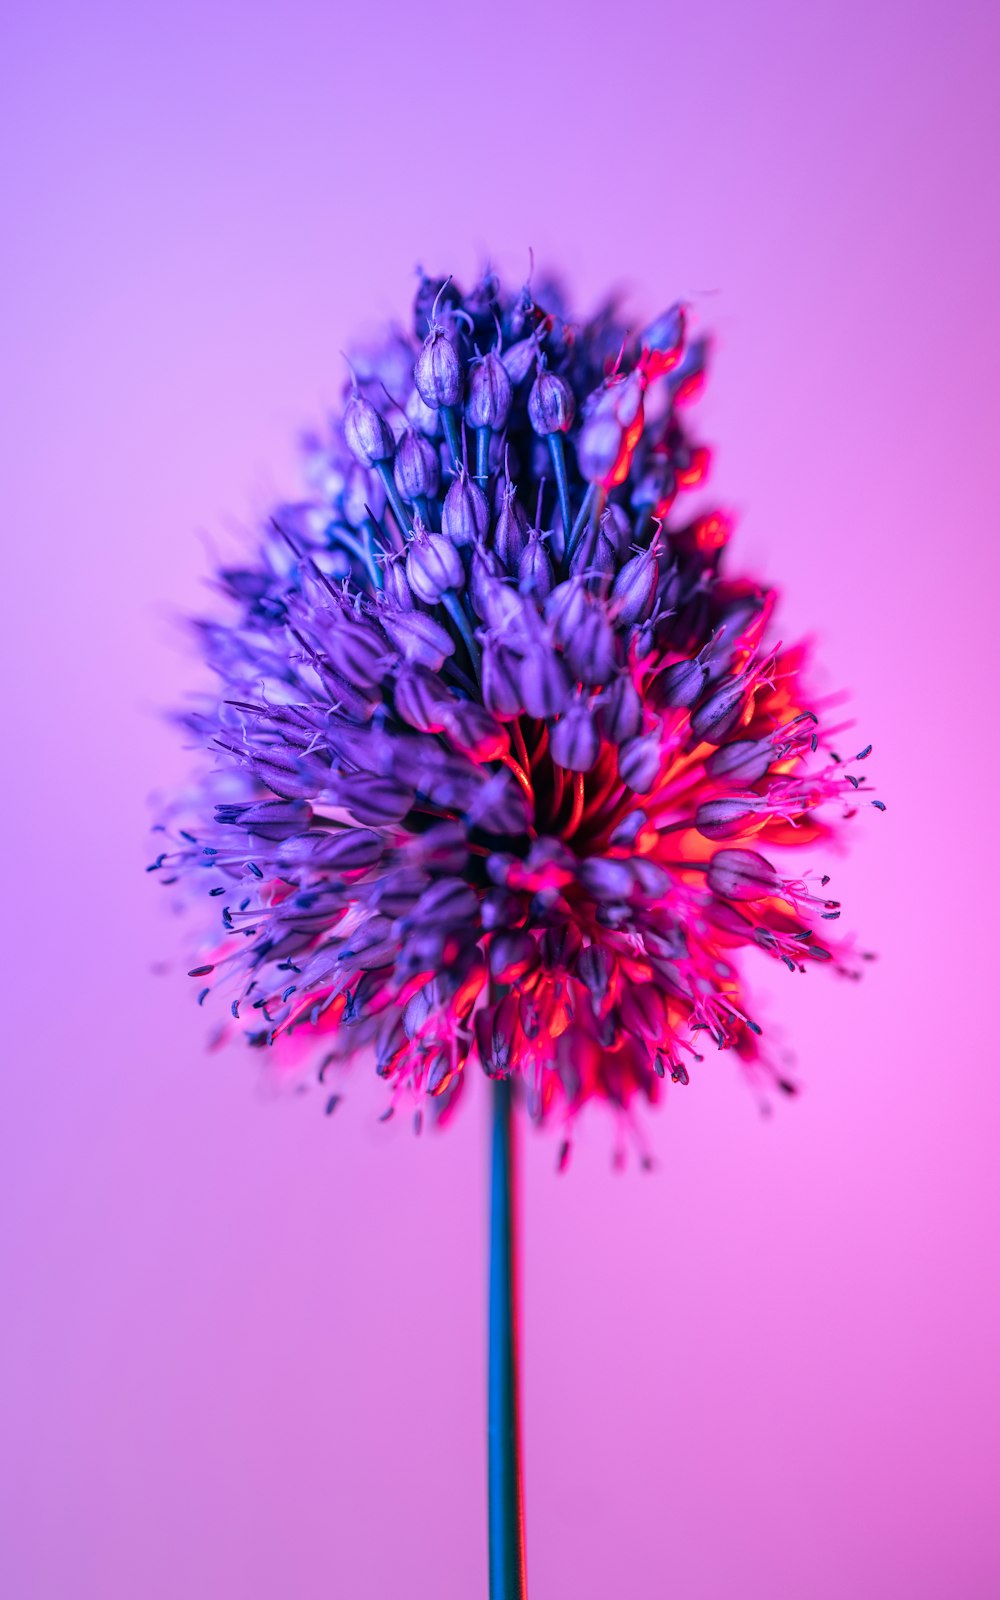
(506, 763)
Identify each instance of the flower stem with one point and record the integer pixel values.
(562, 484)
(506, 1510)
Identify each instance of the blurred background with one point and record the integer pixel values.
(241, 1345)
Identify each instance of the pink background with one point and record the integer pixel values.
(242, 1345)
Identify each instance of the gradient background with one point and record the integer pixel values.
(242, 1346)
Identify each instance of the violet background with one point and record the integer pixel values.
(241, 1346)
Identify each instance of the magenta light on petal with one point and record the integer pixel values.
(383, 677)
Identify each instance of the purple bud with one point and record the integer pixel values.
(520, 358)
(599, 444)
(634, 589)
(465, 516)
(617, 528)
(595, 556)
(573, 740)
(551, 406)
(495, 1027)
(416, 468)
(498, 909)
(419, 637)
(590, 651)
(561, 945)
(397, 589)
(606, 879)
(499, 805)
(721, 818)
(447, 903)
(418, 697)
(544, 684)
(535, 575)
(593, 968)
(664, 338)
(629, 829)
(474, 730)
(483, 569)
(433, 566)
(720, 712)
(268, 819)
(619, 710)
(340, 850)
(639, 762)
(366, 432)
(744, 761)
(443, 847)
(511, 536)
(374, 801)
(513, 954)
(490, 393)
(422, 417)
(565, 609)
(356, 651)
(741, 875)
(438, 371)
(680, 684)
(501, 686)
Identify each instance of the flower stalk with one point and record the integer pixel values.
(506, 1509)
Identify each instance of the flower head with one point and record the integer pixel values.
(500, 791)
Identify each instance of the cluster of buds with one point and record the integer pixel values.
(503, 751)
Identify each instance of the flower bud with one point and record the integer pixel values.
(501, 689)
(416, 469)
(617, 529)
(520, 358)
(594, 557)
(419, 637)
(663, 341)
(490, 394)
(433, 566)
(421, 416)
(513, 954)
(544, 685)
(419, 696)
(340, 850)
(741, 875)
(495, 1029)
(535, 574)
(680, 684)
(599, 445)
(639, 762)
(590, 651)
(634, 589)
(374, 801)
(594, 967)
(573, 741)
(565, 609)
(356, 651)
(465, 516)
(561, 944)
(268, 819)
(395, 586)
(619, 710)
(438, 371)
(720, 712)
(498, 909)
(511, 535)
(551, 405)
(366, 432)
(474, 730)
(743, 761)
(721, 818)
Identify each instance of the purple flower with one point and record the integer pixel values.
(479, 792)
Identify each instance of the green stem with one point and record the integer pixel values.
(483, 456)
(558, 455)
(506, 1509)
(453, 606)
(394, 497)
(448, 417)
